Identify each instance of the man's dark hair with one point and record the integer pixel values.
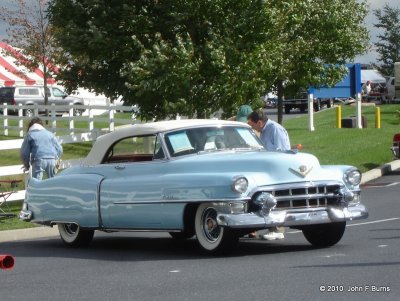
(257, 115)
(35, 120)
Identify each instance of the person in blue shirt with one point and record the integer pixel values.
(274, 138)
(40, 149)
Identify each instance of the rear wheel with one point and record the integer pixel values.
(78, 112)
(317, 106)
(73, 235)
(212, 237)
(324, 235)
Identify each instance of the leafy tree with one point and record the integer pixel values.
(192, 57)
(388, 47)
(313, 40)
(30, 31)
(169, 57)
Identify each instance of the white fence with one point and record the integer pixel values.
(91, 115)
(72, 135)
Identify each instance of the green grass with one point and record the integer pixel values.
(365, 148)
(14, 223)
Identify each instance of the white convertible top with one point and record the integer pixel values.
(103, 142)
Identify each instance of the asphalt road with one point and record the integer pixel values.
(364, 265)
(273, 114)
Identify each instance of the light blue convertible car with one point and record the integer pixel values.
(206, 178)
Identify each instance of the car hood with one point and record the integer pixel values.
(263, 166)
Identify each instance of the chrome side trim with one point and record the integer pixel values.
(181, 201)
(137, 230)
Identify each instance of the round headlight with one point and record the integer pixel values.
(353, 176)
(240, 184)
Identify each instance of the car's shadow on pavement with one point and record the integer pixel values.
(125, 248)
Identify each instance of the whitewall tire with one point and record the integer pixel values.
(72, 235)
(212, 237)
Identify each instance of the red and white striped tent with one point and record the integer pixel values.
(12, 72)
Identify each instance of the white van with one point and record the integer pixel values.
(31, 95)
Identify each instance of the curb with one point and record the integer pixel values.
(28, 233)
(43, 232)
(380, 171)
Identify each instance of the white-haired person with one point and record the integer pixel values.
(40, 150)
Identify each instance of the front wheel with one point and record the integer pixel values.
(73, 235)
(29, 112)
(324, 235)
(212, 237)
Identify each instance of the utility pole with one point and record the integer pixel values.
(397, 80)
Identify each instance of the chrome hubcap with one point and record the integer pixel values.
(210, 226)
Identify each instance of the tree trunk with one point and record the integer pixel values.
(46, 96)
(280, 100)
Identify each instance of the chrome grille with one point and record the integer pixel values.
(306, 195)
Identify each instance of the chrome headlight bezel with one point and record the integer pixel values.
(240, 184)
(353, 177)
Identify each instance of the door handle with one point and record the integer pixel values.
(119, 167)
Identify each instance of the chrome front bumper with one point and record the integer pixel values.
(290, 218)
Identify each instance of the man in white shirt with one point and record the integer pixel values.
(274, 138)
(366, 88)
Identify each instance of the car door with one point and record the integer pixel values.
(57, 96)
(131, 194)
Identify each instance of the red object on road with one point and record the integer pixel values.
(6, 262)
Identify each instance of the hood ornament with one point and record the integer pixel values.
(301, 171)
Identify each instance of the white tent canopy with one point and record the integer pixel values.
(372, 75)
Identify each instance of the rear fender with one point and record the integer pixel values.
(70, 198)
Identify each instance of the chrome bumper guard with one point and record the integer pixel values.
(395, 151)
(291, 218)
(25, 215)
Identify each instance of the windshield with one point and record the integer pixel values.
(190, 141)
